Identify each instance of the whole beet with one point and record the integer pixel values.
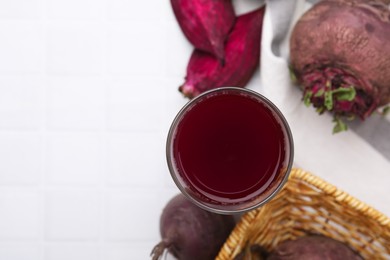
(205, 23)
(340, 55)
(313, 248)
(252, 252)
(242, 57)
(191, 233)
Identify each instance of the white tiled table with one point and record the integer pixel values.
(88, 89)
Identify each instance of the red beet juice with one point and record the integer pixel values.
(230, 148)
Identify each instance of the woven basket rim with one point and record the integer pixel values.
(341, 196)
(236, 240)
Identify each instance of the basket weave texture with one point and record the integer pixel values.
(306, 205)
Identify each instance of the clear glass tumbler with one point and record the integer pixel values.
(229, 150)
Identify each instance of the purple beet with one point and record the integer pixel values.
(313, 247)
(206, 23)
(205, 72)
(191, 233)
(340, 55)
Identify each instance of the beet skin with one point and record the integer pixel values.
(191, 233)
(313, 247)
(242, 57)
(206, 23)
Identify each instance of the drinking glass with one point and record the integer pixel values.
(229, 150)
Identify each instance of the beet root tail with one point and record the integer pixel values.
(158, 250)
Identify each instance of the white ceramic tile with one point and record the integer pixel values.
(74, 9)
(75, 103)
(177, 43)
(20, 251)
(20, 217)
(74, 49)
(20, 9)
(20, 159)
(136, 104)
(168, 181)
(21, 47)
(72, 252)
(133, 215)
(135, 159)
(136, 10)
(126, 251)
(73, 159)
(72, 215)
(21, 103)
(174, 100)
(167, 12)
(136, 48)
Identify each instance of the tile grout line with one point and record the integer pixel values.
(44, 123)
(103, 131)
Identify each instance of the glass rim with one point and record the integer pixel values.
(174, 172)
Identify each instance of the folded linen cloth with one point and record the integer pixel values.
(354, 160)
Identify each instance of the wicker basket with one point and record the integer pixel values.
(307, 204)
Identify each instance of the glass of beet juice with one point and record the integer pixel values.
(229, 150)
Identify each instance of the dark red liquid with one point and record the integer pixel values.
(230, 148)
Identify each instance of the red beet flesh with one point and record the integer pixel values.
(191, 233)
(340, 56)
(242, 56)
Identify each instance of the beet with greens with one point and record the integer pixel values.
(191, 233)
(340, 56)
